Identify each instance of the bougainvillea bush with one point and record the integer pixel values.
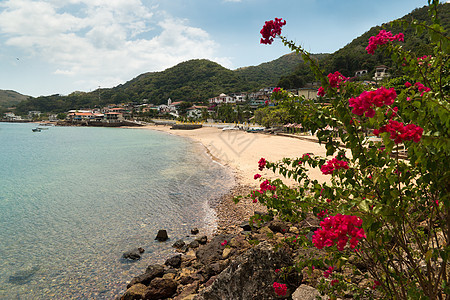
(387, 201)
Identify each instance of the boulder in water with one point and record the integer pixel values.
(134, 254)
(162, 235)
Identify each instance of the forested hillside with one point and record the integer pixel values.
(10, 98)
(197, 80)
(354, 57)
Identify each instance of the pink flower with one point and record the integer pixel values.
(335, 79)
(407, 84)
(224, 243)
(280, 288)
(334, 281)
(328, 272)
(323, 213)
(376, 283)
(256, 176)
(338, 230)
(332, 165)
(400, 133)
(277, 270)
(321, 92)
(265, 186)
(271, 29)
(382, 38)
(367, 100)
(261, 163)
(276, 90)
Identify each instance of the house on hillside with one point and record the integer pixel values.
(222, 99)
(10, 116)
(195, 111)
(381, 72)
(360, 73)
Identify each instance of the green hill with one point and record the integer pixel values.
(10, 98)
(199, 79)
(354, 57)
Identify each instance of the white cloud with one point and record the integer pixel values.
(102, 41)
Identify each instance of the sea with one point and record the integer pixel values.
(74, 199)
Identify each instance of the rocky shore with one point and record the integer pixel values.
(238, 262)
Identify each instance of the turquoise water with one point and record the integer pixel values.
(73, 199)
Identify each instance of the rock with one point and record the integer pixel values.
(187, 291)
(278, 226)
(202, 240)
(194, 231)
(174, 261)
(249, 276)
(23, 276)
(161, 288)
(246, 226)
(151, 272)
(194, 244)
(239, 242)
(266, 231)
(179, 244)
(212, 252)
(134, 254)
(226, 253)
(294, 230)
(137, 291)
(304, 292)
(162, 235)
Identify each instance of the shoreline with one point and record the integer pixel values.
(240, 152)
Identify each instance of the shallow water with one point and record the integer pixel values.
(73, 199)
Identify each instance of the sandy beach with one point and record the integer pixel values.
(240, 151)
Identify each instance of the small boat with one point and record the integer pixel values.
(36, 130)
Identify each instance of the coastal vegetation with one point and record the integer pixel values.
(385, 212)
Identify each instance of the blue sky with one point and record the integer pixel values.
(60, 46)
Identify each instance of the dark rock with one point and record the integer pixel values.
(194, 231)
(137, 291)
(194, 244)
(215, 268)
(151, 272)
(134, 254)
(212, 252)
(202, 240)
(249, 276)
(179, 244)
(23, 276)
(278, 226)
(246, 226)
(162, 235)
(174, 261)
(188, 290)
(161, 288)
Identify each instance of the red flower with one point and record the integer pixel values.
(271, 29)
(321, 92)
(332, 165)
(256, 176)
(276, 90)
(400, 133)
(382, 38)
(224, 243)
(261, 163)
(280, 288)
(338, 230)
(336, 78)
(367, 100)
